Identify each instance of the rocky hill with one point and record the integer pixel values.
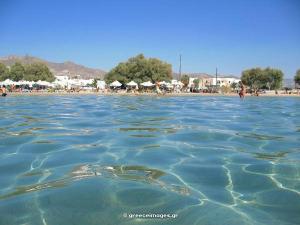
(72, 69)
(68, 68)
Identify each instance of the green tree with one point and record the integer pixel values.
(4, 72)
(38, 71)
(140, 69)
(253, 78)
(185, 79)
(297, 77)
(196, 83)
(273, 78)
(17, 72)
(225, 89)
(258, 78)
(94, 84)
(234, 86)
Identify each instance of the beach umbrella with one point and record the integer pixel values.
(31, 83)
(147, 84)
(132, 83)
(39, 82)
(115, 84)
(26, 82)
(169, 85)
(8, 82)
(162, 83)
(21, 82)
(16, 83)
(43, 83)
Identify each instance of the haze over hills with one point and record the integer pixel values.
(72, 69)
(68, 68)
(202, 75)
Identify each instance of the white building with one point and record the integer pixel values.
(65, 82)
(206, 82)
(224, 81)
(62, 77)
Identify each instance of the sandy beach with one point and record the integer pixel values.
(143, 94)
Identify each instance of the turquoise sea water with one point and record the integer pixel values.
(99, 159)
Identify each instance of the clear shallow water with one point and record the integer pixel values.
(90, 159)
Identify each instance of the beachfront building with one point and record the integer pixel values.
(209, 83)
(64, 81)
(61, 77)
(224, 81)
(61, 81)
(204, 83)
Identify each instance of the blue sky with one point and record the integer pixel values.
(232, 35)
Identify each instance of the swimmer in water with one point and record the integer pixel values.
(3, 90)
(242, 91)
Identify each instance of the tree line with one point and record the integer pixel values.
(258, 78)
(30, 72)
(141, 69)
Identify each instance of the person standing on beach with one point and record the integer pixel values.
(242, 91)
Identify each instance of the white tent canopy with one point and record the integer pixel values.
(101, 84)
(115, 84)
(132, 83)
(147, 84)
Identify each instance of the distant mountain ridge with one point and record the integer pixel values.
(204, 75)
(68, 68)
(73, 70)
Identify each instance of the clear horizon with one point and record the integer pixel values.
(231, 35)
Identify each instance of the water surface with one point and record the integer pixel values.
(92, 159)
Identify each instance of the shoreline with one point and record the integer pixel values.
(16, 94)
